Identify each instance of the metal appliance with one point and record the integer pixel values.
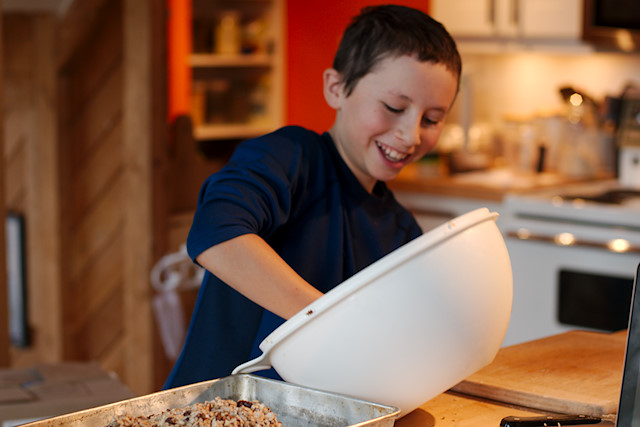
(612, 24)
(573, 252)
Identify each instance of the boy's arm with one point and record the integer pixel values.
(250, 266)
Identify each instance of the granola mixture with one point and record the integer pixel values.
(218, 412)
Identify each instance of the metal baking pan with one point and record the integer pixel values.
(295, 406)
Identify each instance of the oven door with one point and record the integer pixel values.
(564, 280)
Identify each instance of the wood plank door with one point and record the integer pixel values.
(105, 81)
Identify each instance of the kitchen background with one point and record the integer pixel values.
(87, 90)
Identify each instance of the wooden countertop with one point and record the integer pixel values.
(490, 185)
(454, 409)
(575, 372)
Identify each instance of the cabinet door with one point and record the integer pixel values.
(552, 19)
(544, 19)
(475, 18)
(506, 20)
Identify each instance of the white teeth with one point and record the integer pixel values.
(391, 154)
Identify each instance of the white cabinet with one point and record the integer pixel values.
(464, 17)
(528, 19)
(559, 19)
(473, 18)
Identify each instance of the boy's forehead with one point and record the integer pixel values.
(392, 66)
(399, 58)
(405, 78)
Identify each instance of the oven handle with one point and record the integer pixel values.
(569, 240)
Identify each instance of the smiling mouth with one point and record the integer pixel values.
(391, 154)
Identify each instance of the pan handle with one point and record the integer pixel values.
(258, 364)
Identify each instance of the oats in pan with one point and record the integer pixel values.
(218, 412)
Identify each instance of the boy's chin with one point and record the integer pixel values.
(389, 176)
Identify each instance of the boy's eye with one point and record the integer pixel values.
(426, 121)
(392, 109)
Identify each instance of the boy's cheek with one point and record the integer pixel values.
(377, 122)
(429, 142)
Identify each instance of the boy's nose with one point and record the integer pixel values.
(409, 133)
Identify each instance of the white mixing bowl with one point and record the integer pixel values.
(409, 326)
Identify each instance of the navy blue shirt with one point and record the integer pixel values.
(292, 188)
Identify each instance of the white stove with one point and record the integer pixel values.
(596, 212)
(574, 251)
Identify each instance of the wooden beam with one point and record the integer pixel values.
(137, 150)
(4, 318)
(160, 151)
(44, 196)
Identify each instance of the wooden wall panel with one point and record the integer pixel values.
(18, 121)
(107, 189)
(75, 25)
(93, 189)
(95, 93)
(104, 329)
(30, 173)
(95, 230)
(18, 108)
(15, 162)
(85, 103)
(4, 327)
(99, 170)
(95, 285)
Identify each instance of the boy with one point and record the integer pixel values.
(293, 214)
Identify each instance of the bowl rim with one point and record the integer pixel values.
(365, 276)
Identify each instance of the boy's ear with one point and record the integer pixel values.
(332, 88)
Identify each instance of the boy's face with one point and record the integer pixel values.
(393, 117)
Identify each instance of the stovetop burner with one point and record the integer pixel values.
(612, 197)
(597, 203)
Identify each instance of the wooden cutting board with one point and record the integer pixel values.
(577, 372)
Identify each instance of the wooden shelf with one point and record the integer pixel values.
(205, 60)
(241, 93)
(230, 131)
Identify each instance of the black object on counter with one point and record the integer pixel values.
(551, 420)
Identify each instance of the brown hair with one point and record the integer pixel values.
(384, 31)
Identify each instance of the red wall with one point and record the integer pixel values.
(313, 33)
